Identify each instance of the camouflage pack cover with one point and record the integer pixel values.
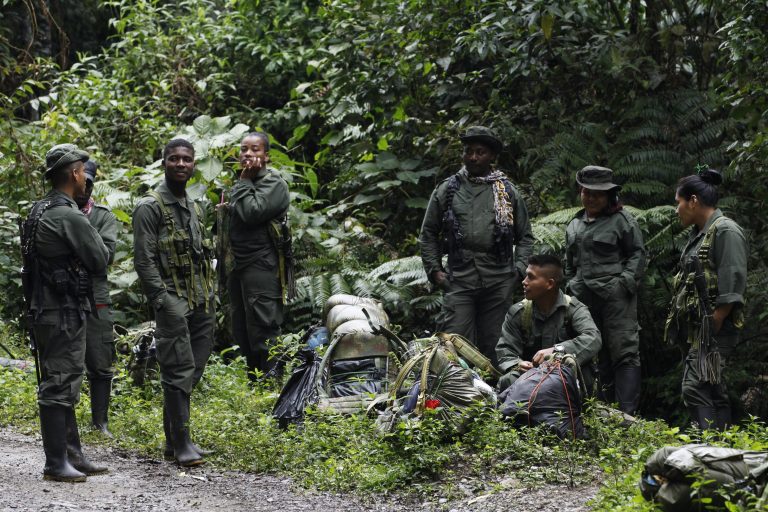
(671, 470)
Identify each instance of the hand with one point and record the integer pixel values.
(719, 315)
(539, 356)
(524, 366)
(250, 167)
(440, 279)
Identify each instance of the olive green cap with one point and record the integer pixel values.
(62, 154)
(483, 135)
(594, 177)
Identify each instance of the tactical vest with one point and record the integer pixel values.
(64, 275)
(453, 238)
(177, 258)
(685, 301)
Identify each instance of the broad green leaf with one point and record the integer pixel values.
(202, 124)
(417, 202)
(210, 167)
(547, 23)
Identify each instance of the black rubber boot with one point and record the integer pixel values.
(168, 448)
(177, 405)
(53, 426)
(705, 417)
(75, 449)
(627, 388)
(100, 391)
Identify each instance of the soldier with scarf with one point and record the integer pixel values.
(478, 218)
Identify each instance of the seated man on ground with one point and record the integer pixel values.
(546, 321)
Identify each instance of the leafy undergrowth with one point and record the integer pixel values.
(348, 454)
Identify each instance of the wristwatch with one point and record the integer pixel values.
(559, 349)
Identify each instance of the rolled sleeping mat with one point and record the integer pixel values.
(344, 298)
(346, 312)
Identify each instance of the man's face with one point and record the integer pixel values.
(478, 158)
(253, 153)
(78, 178)
(536, 283)
(179, 165)
(82, 199)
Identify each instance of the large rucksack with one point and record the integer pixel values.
(355, 366)
(436, 375)
(549, 395)
(670, 472)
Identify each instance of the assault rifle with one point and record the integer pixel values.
(709, 357)
(28, 275)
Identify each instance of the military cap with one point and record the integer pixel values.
(90, 170)
(62, 154)
(483, 135)
(594, 177)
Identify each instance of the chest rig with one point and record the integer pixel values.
(453, 238)
(64, 275)
(685, 315)
(178, 259)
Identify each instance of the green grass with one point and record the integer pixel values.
(347, 453)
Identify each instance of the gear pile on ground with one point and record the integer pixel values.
(671, 472)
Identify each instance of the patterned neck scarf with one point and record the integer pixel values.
(88, 206)
(503, 237)
(501, 202)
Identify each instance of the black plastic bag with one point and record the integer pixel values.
(300, 390)
(547, 394)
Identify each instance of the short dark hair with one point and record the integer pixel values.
(263, 136)
(60, 176)
(177, 143)
(549, 260)
(703, 185)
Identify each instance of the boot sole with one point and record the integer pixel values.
(54, 478)
(191, 463)
(91, 473)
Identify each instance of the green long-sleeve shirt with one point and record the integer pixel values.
(150, 232)
(727, 257)
(63, 232)
(579, 336)
(105, 222)
(253, 205)
(601, 251)
(473, 205)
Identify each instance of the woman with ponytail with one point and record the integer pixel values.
(706, 312)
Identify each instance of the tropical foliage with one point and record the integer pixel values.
(364, 100)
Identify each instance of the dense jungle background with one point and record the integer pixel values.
(364, 101)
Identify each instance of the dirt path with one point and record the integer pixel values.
(141, 484)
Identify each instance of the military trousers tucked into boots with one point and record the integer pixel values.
(257, 313)
(619, 358)
(60, 337)
(708, 403)
(184, 339)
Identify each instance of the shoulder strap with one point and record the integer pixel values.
(710, 276)
(453, 185)
(167, 215)
(527, 317)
